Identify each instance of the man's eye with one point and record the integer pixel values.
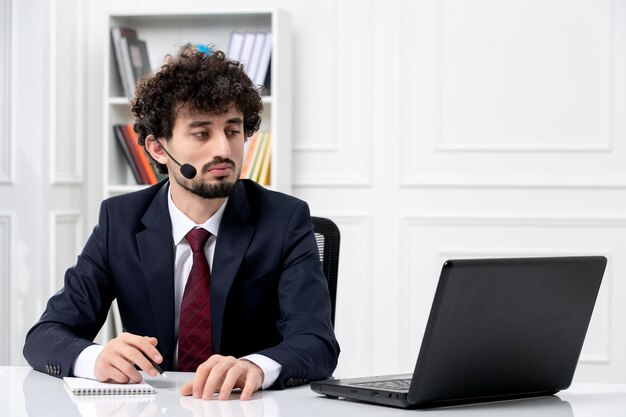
(200, 134)
(234, 132)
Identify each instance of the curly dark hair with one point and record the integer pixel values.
(193, 81)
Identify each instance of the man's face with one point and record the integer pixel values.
(213, 144)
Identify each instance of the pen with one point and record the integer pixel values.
(158, 368)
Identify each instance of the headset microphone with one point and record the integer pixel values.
(187, 170)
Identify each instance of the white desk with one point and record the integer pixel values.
(25, 392)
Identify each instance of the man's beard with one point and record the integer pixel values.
(220, 189)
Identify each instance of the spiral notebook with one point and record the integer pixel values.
(83, 386)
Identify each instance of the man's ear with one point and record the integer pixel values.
(155, 150)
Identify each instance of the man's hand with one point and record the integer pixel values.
(117, 360)
(222, 374)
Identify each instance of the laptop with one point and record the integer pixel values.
(499, 329)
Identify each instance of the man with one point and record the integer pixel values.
(245, 305)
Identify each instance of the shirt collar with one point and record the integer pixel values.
(181, 224)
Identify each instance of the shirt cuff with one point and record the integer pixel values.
(85, 363)
(270, 368)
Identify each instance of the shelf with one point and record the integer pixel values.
(164, 33)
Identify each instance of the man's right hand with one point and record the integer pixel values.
(117, 360)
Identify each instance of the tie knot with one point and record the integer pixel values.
(197, 238)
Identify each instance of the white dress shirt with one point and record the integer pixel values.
(183, 260)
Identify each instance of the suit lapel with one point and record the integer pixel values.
(157, 260)
(233, 240)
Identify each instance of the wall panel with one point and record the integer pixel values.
(66, 238)
(6, 139)
(66, 91)
(353, 315)
(437, 239)
(331, 148)
(502, 97)
(6, 255)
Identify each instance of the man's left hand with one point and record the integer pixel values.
(222, 374)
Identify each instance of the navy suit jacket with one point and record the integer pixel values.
(268, 292)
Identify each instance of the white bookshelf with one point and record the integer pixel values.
(164, 34)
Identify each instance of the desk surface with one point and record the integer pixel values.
(24, 392)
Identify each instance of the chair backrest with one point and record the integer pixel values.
(328, 237)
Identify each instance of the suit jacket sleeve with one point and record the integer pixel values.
(308, 350)
(75, 314)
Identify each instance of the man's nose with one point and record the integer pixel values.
(221, 146)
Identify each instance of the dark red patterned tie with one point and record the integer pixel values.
(194, 329)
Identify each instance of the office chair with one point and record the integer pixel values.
(328, 237)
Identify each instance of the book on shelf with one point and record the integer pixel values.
(119, 136)
(122, 59)
(250, 148)
(131, 56)
(246, 50)
(255, 57)
(262, 73)
(235, 44)
(256, 165)
(262, 153)
(264, 171)
(139, 59)
(253, 50)
(256, 158)
(142, 157)
(138, 161)
(267, 84)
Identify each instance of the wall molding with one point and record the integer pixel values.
(494, 219)
(315, 147)
(330, 142)
(423, 102)
(352, 50)
(311, 181)
(534, 147)
(602, 310)
(429, 181)
(355, 321)
(7, 69)
(72, 127)
(60, 220)
(525, 147)
(7, 245)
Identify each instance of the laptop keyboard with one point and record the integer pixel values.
(392, 385)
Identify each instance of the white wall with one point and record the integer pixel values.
(428, 130)
(461, 129)
(42, 193)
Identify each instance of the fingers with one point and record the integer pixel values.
(213, 374)
(223, 374)
(245, 375)
(115, 375)
(253, 382)
(187, 389)
(195, 387)
(117, 360)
